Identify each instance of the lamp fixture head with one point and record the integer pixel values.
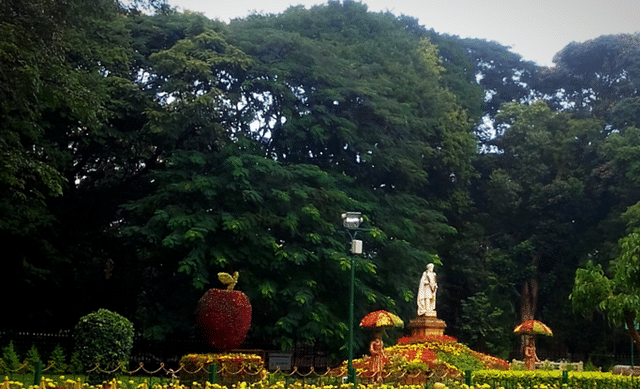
(351, 220)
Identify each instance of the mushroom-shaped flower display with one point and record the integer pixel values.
(378, 321)
(531, 328)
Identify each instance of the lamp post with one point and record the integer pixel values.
(351, 221)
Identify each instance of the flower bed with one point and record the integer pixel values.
(529, 379)
(553, 379)
(231, 368)
(420, 359)
(448, 350)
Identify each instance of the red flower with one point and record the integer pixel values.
(427, 338)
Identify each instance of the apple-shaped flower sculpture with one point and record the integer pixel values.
(224, 315)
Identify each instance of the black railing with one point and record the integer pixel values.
(167, 352)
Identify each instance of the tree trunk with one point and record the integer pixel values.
(528, 303)
(529, 299)
(629, 318)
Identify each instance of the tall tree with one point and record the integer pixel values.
(33, 53)
(484, 75)
(362, 95)
(595, 75)
(540, 196)
(74, 146)
(280, 124)
(44, 97)
(616, 296)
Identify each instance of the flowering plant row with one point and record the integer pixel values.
(545, 379)
(231, 367)
(579, 381)
(114, 384)
(230, 362)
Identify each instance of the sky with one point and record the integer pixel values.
(535, 29)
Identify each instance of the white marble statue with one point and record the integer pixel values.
(427, 293)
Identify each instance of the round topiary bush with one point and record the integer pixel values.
(103, 338)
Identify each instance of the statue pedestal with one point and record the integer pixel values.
(427, 325)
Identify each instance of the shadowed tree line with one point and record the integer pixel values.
(142, 154)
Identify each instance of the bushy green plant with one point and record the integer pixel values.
(57, 360)
(10, 358)
(103, 338)
(550, 379)
(33, 358)
(463, 361)
(589, 366)
(75, 364)
(485, 327)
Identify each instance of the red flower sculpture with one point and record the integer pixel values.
(224, 315)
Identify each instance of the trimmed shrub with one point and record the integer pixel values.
(103, 338)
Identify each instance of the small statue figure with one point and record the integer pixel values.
(378, 358)
(530, 357)
(427, 293)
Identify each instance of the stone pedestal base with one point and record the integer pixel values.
(427, 325)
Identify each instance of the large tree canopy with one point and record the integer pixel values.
(595, 75)
(278, 125)
(64, 72)
(141, 154)
(616, 296)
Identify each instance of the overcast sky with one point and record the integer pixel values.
(535, 29)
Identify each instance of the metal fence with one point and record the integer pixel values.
(169, 351)
(161, 359)
(211, 374)
(164, 378)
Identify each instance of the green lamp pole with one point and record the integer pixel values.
(351, 221)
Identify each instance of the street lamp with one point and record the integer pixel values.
(351, 221)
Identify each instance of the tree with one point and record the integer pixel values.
(460, 72)
(483, 327)
(52, 98)
(31, 61)
(382, 118)
(616, 296)
(74, 145)
(484, 75)
(275, 223)
(277, 125)
(595, 75)
(537, 196)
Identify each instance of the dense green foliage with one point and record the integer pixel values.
(10, 359)
(265, 162)
(103, 338)
(142, 153)
(58, 361)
